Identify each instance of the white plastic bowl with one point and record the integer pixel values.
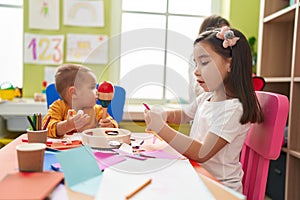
(102, 137)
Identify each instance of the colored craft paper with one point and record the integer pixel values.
(80, 169)
(160, 154)
(29, 185)
(49, 159)
(174, 181)
(105, 159)
(130, 155)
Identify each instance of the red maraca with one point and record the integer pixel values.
(105, 95)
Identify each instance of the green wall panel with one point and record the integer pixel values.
(33, 74)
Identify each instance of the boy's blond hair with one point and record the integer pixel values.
(67, 75)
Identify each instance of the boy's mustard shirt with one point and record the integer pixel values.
(58, 111)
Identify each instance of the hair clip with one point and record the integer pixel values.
(228, 36)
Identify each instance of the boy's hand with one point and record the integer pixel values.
(79, 120)
(106, 123)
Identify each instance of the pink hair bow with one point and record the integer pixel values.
(228, 36)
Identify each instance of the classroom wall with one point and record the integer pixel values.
(242, 14)
(33, 74)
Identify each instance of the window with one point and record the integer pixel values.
(11, 40)
(157, 45)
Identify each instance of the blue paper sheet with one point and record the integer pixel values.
(80, 169)
(49, 159)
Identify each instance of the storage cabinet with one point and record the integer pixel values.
(279, 63)
(276, 178)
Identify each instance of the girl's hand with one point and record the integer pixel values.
(155, 120)
(106, 123)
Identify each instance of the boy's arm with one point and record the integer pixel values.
(58, 125)
(114, 122)
(101, 122)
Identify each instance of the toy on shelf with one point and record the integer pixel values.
(41, 96)
(44, 85)
(105, 95)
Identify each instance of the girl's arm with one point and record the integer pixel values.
(177, 117)
(191, 148)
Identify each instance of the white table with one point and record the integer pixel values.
(15, 112)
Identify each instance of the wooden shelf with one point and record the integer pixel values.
(295, 154)
(284, 15)
(279, 63)
(296, 79)
(278, 79)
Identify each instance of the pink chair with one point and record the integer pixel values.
(263, 143)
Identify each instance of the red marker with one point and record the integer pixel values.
(146, 106)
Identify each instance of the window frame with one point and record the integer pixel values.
(167, 14)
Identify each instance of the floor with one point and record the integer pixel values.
(267, 198)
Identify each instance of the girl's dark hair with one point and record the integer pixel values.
(213, 21)
(238, 83)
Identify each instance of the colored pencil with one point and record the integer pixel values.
(47, 122)
(31, 123)
(146, 106)
(154, 133)
(138, 189)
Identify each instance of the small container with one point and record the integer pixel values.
(105, 137)
(31, 157)
(39, 136)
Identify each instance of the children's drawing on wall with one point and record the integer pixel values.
(43, 49)
(84, 13)
(44, 14)
(86, 48)
(49, 74)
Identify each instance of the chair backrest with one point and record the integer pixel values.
(115, 108)
(51, 94)
(263, 143)
(258, 83)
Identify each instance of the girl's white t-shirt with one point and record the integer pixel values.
(223, 119)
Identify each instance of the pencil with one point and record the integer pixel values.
(146, 106)
(138, 189)
(34, 122)
(154, 133)
(39, 117)
(47, 122)
(31, 123)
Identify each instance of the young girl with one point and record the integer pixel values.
(76, 84)
(222, 115)
(210, 22)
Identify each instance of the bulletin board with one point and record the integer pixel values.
(57, 32)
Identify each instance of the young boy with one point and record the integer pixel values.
(77, 110)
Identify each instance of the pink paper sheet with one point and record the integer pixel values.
(107, 159)
(160, 154)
